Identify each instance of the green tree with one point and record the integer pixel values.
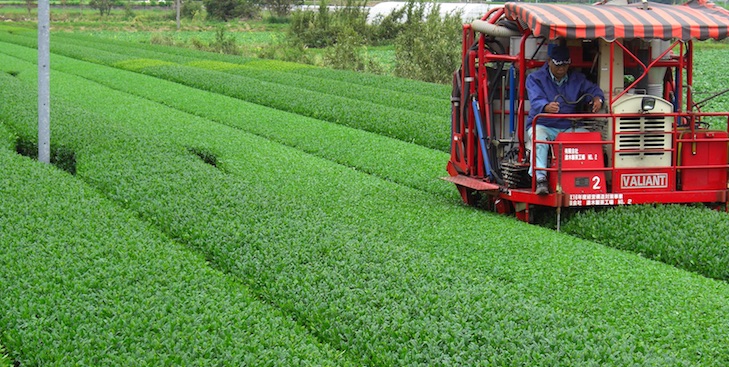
(281, 8)
(388, 27)
(104, 6)
(324, 27)
(429, 50)
(350, 53)
(230, 9)
(192, 9)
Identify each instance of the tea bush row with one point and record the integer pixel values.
(705, 257)
(387, 83)
(417, 127)
(408, 126)
(87, 283)
(691, 238)
(392, 159)
(386, 274)
(274, 72)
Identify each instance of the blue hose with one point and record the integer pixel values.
(676, 91)
(482, 138)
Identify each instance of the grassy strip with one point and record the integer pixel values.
(401, 162)
(702, 247)
(385, 272)
(415, 127)
(277, 72)
(85, 283)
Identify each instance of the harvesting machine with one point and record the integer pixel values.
(649, 143)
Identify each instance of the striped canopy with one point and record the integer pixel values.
(697, 19)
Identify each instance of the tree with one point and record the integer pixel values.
(230, 9)
(104, 6)
(425, 49)
(281, 8)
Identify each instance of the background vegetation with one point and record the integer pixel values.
(414, 42)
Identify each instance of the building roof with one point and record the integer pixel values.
(468, 11)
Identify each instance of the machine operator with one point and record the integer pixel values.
(556, 89)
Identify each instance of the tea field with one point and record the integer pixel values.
(205, 209)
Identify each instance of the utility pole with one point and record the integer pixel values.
(44, 85)
(178, 3)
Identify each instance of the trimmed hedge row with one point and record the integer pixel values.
(702, 247)
(380, 271)
(401, 162)
(180, 53)
(87, 283)
(385, 83)
(407, 101)
(276, 72)
(409, 126)
(396, 84)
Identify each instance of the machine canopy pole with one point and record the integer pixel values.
(44, 65)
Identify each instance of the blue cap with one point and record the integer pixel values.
(559, 54)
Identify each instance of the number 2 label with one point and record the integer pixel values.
(596, 183)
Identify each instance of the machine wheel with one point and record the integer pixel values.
(503, 207)
(468, 195)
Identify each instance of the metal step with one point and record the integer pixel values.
(472, 183)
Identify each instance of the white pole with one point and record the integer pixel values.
(177, 5)
(44, 90)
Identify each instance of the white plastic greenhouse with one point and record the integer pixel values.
(468, 11)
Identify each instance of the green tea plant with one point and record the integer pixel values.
(708, 82)
(381, 272)
(415, 127)
(279, 72)
(88, 283)
(4, 359)
(405, 163)
(7, 138)
(388, 83)
(661, 233)
(401, 93)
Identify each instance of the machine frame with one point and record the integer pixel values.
(649, 144)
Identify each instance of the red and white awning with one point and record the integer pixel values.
(697, 19)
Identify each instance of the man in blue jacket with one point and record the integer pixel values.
(554, 89)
